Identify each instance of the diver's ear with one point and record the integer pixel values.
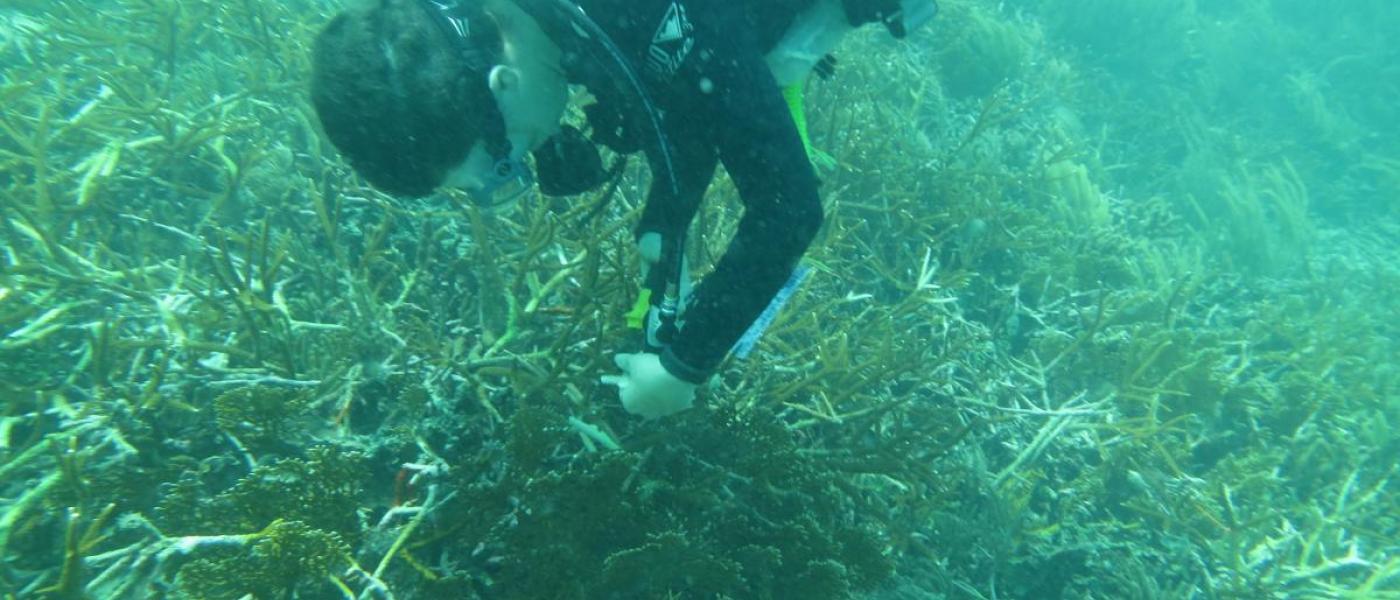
(503, 79)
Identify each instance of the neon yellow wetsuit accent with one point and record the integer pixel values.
(794, 96)
(637, 317)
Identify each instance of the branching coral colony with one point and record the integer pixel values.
(1027, 363)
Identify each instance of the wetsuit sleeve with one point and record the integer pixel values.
(733, 105)
(694, 163)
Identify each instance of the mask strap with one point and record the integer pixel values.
(477, 40)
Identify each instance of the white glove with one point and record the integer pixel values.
(647, 389)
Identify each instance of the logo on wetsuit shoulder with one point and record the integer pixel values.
(672, 42)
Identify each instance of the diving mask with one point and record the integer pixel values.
(568, 164)
(491, 182)
(509, 180)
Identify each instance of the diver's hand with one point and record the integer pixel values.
(647, 388)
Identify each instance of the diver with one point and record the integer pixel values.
(423, 94)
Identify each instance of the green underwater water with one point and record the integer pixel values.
(1106, 306)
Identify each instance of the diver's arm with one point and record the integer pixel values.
(669, 213)
(747, 120)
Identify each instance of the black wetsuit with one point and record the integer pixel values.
(703, 62)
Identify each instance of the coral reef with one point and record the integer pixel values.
(1104, 308)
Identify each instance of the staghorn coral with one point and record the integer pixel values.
(228, 368)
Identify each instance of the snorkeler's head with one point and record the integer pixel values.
(395, 97)
(423, 93)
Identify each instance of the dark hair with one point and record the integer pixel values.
(395, 98)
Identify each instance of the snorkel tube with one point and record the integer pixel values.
(565, 20)
(553, 13)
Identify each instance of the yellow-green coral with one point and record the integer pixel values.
(281, 560)
(985, 49)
